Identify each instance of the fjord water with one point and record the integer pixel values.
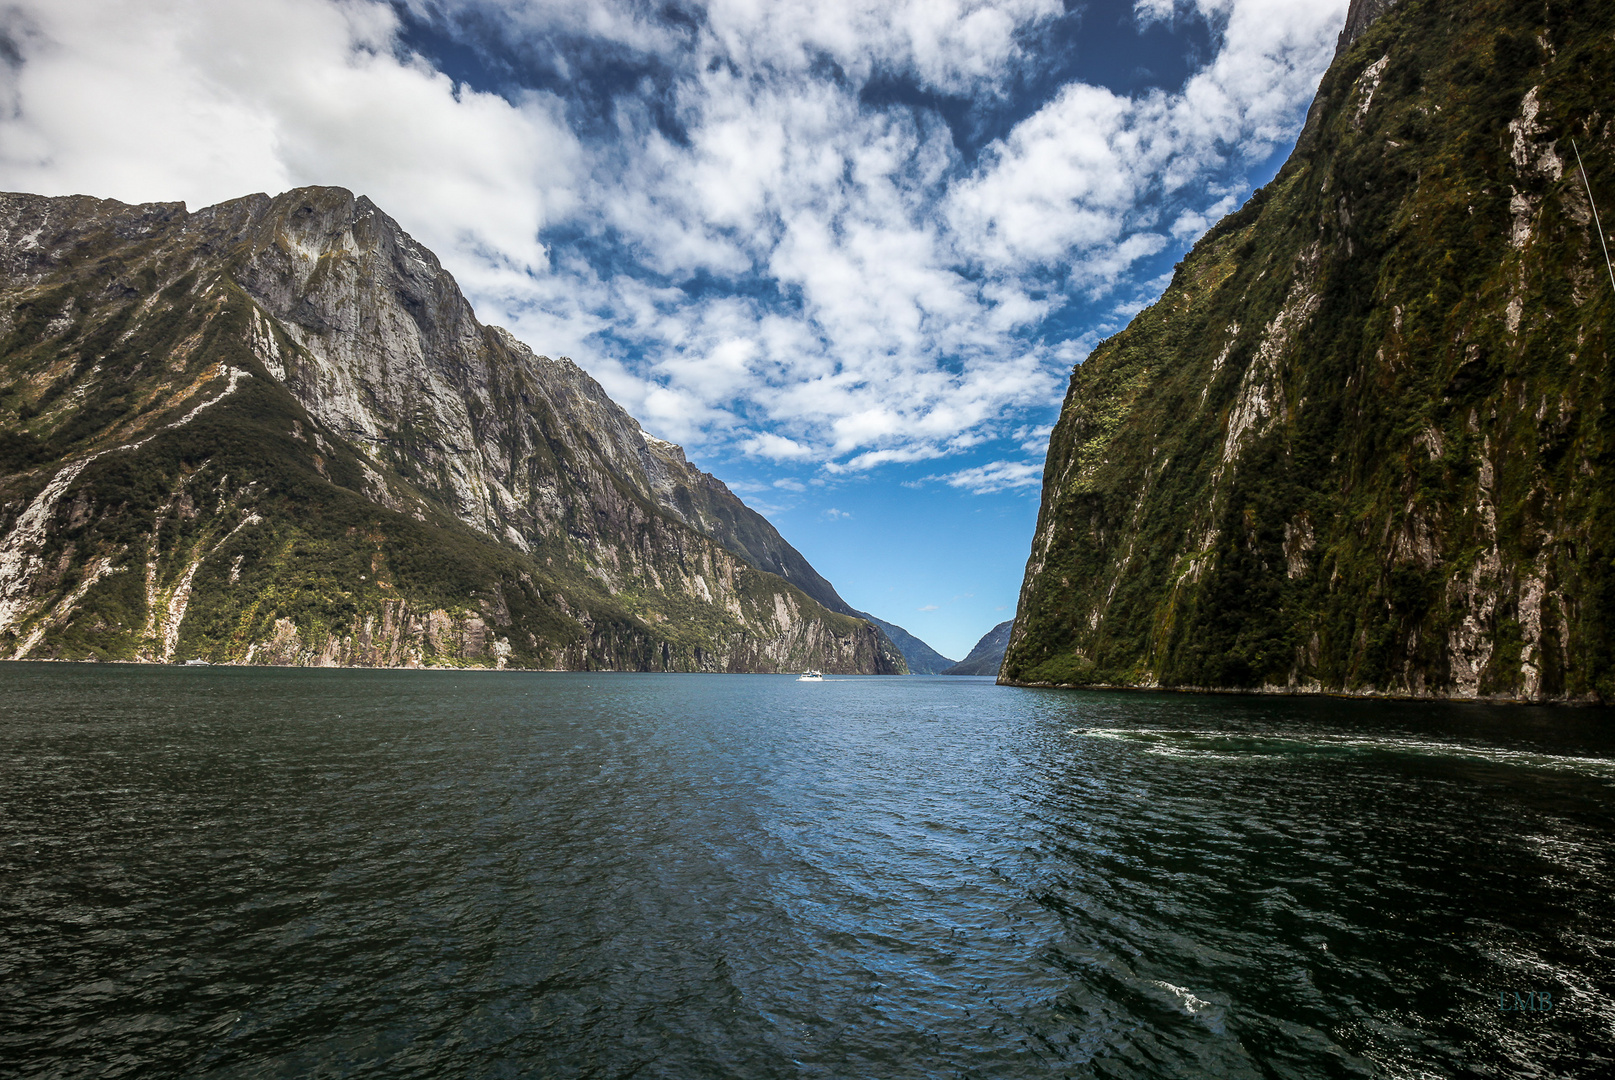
(259, 873)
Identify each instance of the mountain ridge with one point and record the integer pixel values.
(987, 655)
(921, 658)
(273, 430)
(1362, 444)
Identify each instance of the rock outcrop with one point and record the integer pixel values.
(1359, 17)
(1363, 443)
(273, 431)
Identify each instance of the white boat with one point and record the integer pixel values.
(196, 663)
(810, 676)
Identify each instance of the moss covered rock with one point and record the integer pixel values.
(1363, 443)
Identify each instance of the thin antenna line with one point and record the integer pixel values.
(1594, 205)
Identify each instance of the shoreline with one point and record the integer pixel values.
(419, 667)
(1222, 691)
(1315, 692)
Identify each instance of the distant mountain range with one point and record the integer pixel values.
(922, 659)
(988, 655)
(273, 432)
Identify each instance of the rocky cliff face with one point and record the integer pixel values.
(1363, 443)
(274, 431)
(1359, 17)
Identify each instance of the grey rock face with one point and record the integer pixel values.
(1359, 17)
(393, 391)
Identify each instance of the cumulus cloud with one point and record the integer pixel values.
(745, 251)
(915, 284)
(775, 447)
(996, 476)
(1079, 183)
(205, 100)
(1153, 11)
(1033, 438)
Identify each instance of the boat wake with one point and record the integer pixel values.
(1236, 745)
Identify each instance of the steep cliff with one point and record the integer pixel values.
(1363, 442)
(274, 431)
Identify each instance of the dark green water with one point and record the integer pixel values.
(249, 873)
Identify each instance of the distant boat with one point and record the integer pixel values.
(810, 676)
(196, 663)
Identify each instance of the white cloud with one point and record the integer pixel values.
(914, 287)
(874, 299)
(206, 100)
(996, 476)
(1074, 184)
(949, 44)
(952, 45)
(929, 607)
(613, 21)
(1152, 11)
(775, 447)
(1034, 439)
(837, 515)
(1193, 222)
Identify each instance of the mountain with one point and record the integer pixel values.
(273, 431)
(921, 658)
(988, 655)
(1363, 443)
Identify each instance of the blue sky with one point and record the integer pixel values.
(846, 252)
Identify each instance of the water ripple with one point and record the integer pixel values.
(228, 873)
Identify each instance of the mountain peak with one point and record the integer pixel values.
(273, 431)
(1359, 17)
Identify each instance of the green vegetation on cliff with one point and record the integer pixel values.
(273, 432)
(1364, 441)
